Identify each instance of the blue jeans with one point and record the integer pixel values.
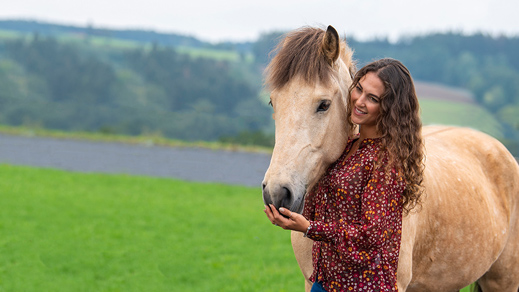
(317, 287)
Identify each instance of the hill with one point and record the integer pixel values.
(132, 35)
(447, 105)
(137, 82)
(66, 82)
(143, 36)
(430, 90)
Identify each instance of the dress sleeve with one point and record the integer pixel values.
(360, 242)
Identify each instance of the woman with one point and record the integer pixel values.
(354, 214)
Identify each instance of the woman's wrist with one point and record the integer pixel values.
(305, 233)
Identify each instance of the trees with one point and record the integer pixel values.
(138, 91)
(154, 88)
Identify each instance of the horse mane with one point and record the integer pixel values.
(300, 54)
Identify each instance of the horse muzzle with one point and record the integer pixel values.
(283, 196)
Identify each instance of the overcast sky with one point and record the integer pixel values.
(241, 20)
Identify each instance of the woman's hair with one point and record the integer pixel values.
(400, 125)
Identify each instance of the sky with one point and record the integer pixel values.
(246, 20)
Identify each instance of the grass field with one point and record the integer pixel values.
(435, 111)
(63, 231)
(100, 42)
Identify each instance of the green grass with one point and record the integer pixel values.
(445, 112)
(63, 231)
(9, 35)
(467, 289)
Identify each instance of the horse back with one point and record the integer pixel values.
(479, 159)
(469, 206)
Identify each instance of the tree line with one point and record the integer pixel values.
(154, 89)
(140, 91)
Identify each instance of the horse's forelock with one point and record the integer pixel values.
(300, 54)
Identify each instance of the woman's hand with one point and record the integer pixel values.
(295, 221)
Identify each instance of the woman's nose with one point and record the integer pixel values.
(361, 100)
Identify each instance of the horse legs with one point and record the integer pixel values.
(302, 247)
(497, 285)
(308, 285)
(500, 280)
(503, 275)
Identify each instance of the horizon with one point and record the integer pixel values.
(241, 21)
(367, 39)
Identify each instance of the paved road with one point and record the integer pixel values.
(192, 164)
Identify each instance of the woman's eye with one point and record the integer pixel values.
(324, 105)
(374, 99)
(270, 102)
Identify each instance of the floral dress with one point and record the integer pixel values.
(356, 222)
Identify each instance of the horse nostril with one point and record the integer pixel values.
(266, 195)
(287, 197)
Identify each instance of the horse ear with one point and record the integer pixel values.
(330, 45)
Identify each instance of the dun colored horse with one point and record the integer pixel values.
(467, 228)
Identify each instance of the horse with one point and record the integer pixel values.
(466, 228)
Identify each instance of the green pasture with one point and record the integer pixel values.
(101, 42)
(62, 231)
(444, 112)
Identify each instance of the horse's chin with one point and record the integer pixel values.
(298, 205)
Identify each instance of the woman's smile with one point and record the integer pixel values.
(359, 112)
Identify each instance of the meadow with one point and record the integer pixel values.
(437, 111)
(62, 231)
(106, 43)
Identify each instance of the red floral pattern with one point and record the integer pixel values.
(356, 222)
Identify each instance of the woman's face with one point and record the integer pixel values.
(365, 99)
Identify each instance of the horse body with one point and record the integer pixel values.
(468, 215)
(467, 227)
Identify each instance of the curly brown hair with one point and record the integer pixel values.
(399, 124)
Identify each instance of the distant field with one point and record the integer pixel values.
(120, 44)
(64, 231)
(442, 92)
(435, 111)
(454, 106)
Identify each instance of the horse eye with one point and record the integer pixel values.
(324, 105)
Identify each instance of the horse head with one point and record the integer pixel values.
(308, 80)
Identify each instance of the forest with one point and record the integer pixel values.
(142, 82)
